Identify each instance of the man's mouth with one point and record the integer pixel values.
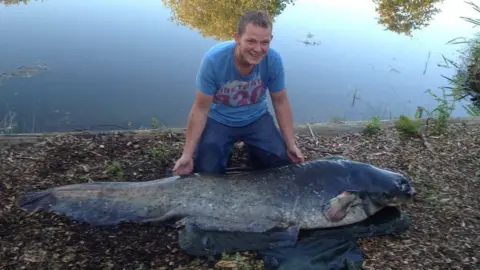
(255, 55)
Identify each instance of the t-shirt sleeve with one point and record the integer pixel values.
(276, 80)
(205, 80)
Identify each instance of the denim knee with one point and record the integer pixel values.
(214, 148)
(263, 159)
(265, 143)
(211, 158)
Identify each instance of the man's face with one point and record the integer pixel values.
(253, 45)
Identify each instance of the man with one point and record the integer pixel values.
(231, 103)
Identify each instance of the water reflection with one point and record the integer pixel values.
(218, 18)
(406, 16)
(13, 2)
(23, 71)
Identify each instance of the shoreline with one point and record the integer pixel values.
(318, 128)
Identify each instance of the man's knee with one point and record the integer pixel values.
(267, 158)
(266, 145)
(213, 149)
(211, 157)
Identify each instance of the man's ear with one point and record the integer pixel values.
(236, 36)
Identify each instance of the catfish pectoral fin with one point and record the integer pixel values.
(170, 218)
(217, 224)
(338, 207)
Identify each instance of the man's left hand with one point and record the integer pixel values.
(295, 154)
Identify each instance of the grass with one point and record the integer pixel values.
(237, 261)
(372, 126)
(115, 168)
(155, 153)
(407, 126)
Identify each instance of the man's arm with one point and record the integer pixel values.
(206, 87)
(196, 121)
(283, 112)
(280, 100)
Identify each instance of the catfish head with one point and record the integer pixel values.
(383, 186)
(389, 188)
(364, 186)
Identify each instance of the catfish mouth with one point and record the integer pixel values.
(406, 188)
(396, 199)
(401, 194)
(404, 193)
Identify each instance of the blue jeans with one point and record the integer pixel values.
(265, 145)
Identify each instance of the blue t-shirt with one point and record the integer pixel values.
(238, 100)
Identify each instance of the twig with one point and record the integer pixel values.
(426, 143)
(33, 121)
(30, 158)
(424, 137)
(311, 131)
(313, 134)
(426, 63)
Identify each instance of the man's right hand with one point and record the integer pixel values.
(183, 166)
(195, 125)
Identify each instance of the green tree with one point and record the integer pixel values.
(406, 16)
(218, 18)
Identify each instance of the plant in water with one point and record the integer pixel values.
(155, 124)
(373, 126)
(466, 82)
(8, 124)
(336, 119)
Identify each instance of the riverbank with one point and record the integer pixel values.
(444, 170)
(320, 128)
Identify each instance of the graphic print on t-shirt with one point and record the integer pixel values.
(239, 93)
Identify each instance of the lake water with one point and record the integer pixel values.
(124, 62)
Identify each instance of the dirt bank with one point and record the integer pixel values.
(445, 215)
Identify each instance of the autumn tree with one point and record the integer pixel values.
(406, 16)
(218, 18)
(13, 2)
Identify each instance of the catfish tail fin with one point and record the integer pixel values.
(36, 201)
(79, 203)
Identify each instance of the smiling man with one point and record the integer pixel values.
(231, 103)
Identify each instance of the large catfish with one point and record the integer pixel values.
(316, 194)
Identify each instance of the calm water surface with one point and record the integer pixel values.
(124, 62)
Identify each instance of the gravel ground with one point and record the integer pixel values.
(445, 214)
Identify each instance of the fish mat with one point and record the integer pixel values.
(328, 248)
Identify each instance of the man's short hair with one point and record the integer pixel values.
(255, 17)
